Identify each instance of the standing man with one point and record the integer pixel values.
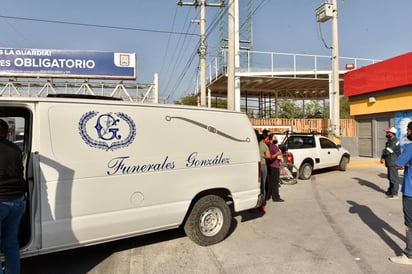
(12, 202)
(405, 161)
(389, 155)
(264, 155)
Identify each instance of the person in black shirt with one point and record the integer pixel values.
(12, 201)
(389, 156)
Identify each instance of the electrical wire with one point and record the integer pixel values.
(321, 37)
(177, 57)
(168, 41)
(209, 32)
(95, 25)
(176, 61)
(189, 63)
(180, 78)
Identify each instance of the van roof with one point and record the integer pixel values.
(83, 96)
(91, 99)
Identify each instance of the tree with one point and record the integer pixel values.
(289, 109)
(219, 103)
(190, 100)
(313, 109)
(344, 108)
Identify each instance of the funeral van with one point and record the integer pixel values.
(99, 170)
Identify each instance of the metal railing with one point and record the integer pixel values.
(261, 63)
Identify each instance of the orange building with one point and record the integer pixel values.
(380, 96)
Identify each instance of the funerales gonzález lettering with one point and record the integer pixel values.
(122, 165)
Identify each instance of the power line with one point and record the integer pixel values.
(95, 25)
(168, 41)
(185, 34)
(179, 50)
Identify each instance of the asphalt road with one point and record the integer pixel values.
(337, 222)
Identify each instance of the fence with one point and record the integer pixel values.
(348, 126)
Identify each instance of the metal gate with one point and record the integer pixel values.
(381, 125)
(371, 135)
(365, 138)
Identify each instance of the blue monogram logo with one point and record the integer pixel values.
(107, 131)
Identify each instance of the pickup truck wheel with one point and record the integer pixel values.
(209, 221)
(305, 171)
(343, 163)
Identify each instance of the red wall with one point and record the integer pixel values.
(390, 73)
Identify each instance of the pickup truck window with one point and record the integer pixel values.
(326, 143)
(300, 142)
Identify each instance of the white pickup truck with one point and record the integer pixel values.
(311, 152)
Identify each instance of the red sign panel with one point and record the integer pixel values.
(390, 73)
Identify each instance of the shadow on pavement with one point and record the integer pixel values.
(376, 224)
(383, 175)
(371, 185)
(250, 215)
(82, 260)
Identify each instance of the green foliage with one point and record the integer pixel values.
(190, 100)
(344, 112)
(344, 108)
(218, 103)
(289, 109)
(313, 109)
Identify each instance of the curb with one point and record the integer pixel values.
(352, 164)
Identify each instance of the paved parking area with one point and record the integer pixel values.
(337, 222)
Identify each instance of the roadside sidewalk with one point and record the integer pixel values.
(360, 161)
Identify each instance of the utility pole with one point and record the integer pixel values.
(202, 48)
(329, 10)
(231, 63)
(335, 72)
(237, 57)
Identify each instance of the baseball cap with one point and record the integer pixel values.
(392, 130)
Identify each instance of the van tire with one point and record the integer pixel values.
(209, 221)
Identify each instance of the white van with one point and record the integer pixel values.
(100, 170)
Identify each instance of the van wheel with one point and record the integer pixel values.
(343, 163)
(209, 221)
(305, 171)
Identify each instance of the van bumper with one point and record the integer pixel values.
(246, 200)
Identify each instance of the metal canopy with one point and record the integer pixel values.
(280, 75)
(284, 87)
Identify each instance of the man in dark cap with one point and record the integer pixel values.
(389, 155)
(405, 161)
(12, 201)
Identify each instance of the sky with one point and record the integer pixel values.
(166, 41)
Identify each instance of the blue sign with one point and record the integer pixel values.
(67, 64)
(402, 118)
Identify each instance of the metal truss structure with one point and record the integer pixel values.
(127, 91)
